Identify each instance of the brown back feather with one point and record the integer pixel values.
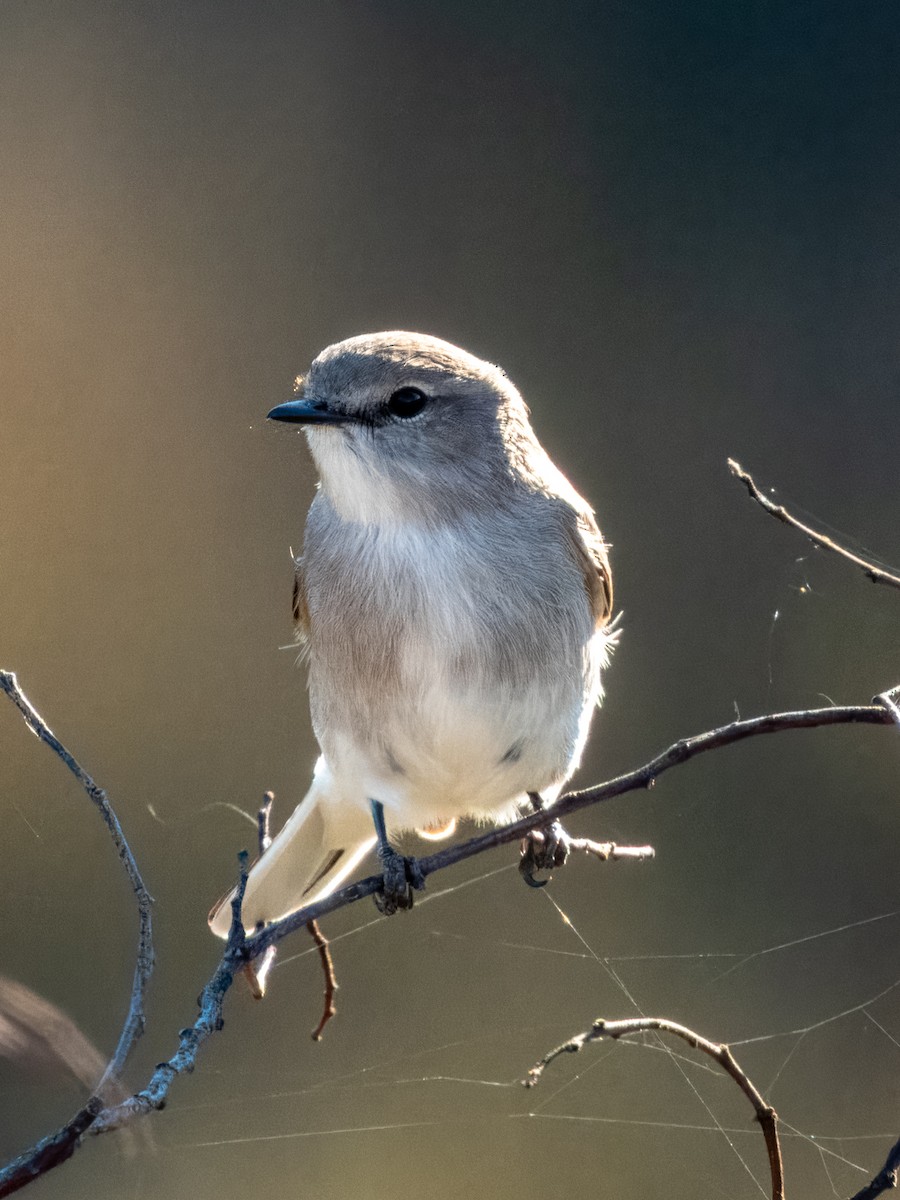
(590, 553)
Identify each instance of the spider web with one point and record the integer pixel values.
(688, 1112)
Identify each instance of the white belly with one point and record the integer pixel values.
(444, 685)
(454, 755)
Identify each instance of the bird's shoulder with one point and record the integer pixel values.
(538, 478)
(591, 553)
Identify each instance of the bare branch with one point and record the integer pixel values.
(263, 819)
(718, 1051)
(888, 1177)
(257, 973)
(605, 851)
(644, 777)
(329, 1009)
(889, 701)
(55, 1149)
(135, 1020)
(209, 1021)
(242, 949)
(50, 1151)
(780, 513)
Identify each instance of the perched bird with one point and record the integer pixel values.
(453, 598)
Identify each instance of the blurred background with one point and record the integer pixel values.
(676, 227)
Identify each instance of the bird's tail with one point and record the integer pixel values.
(322, 843)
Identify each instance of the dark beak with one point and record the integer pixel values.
(307, 412)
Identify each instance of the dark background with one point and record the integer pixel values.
(676, 226)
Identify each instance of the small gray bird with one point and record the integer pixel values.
(453, 598)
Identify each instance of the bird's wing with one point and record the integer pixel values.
(590, 552)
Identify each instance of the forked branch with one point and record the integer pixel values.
(242, 950)
(59, 1146)
(780, 513)
(718, 1051)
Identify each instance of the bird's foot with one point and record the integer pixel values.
(543, 849)
(402, 878)
(402, 875)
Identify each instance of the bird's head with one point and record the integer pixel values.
(400, 423)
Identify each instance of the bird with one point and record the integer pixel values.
(453, 602)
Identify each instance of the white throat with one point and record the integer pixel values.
(355, 490)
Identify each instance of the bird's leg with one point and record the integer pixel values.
(401, 874)
(543, 849)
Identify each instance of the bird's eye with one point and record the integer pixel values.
(406, 402)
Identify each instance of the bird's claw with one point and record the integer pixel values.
(543, 850)
(402, 878)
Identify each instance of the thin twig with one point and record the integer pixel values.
(644, 777)
(331, 984)
(888, 699)
(50, 1151)
(59, 1146)
(605, 851)
(257, 973)
(237, 937)
(209, 1021)
(780, 513)
(135, 1020)
(888, 1177)
(718, 1051)
(263, 819)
